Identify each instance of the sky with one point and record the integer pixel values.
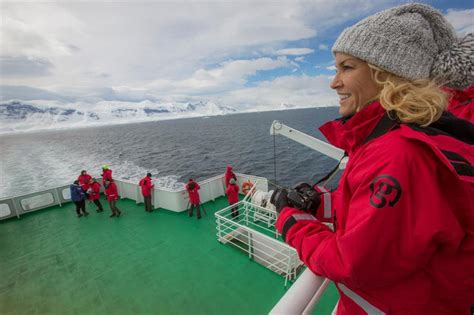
(243, 54)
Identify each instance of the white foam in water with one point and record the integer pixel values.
(131, 172)
(60, 171)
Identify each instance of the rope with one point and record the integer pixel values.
(275, 184)
(274, 157)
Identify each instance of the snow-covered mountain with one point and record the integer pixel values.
(18, 116)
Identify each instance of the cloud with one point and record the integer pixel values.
(26, 93)
(228, 75)
(331, 68)
(462, 20)
(21, 66)
(301, 91)
(137, 44)
(294, 51)
(183, 50)
(38, 30)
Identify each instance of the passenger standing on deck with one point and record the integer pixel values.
(106, 174)
(78, 196)
(84, 180)
(146, 185)
(94, 194)
(233, 196)
(193, 191)
(461, 103)
(403, 239)
(112, 196)
(229, 174)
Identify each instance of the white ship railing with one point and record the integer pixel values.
(173, 200)
(254, 237)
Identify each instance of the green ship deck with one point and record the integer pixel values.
(141, 263)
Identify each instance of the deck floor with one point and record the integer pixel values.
(141, 263)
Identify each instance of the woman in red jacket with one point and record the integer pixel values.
(193, 191)
(461, 103)
(232, 192)
(84, 180)
(106, 174)
(146, 184)
(403, 214)
(94, 194)
(112, 196)
(229, 174)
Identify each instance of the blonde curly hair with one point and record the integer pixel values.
(421, 101)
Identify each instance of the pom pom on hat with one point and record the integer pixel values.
(455, 66)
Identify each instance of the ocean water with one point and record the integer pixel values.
(172, 151)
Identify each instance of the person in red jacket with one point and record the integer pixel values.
(106, 174)
(461, 103)
(232, 192)
(229, 174)
(112, 195)
(84, 180)
(403, 213)
(146, 185)
(193, 191)
(94, 194)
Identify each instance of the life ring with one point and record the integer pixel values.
(246, 186)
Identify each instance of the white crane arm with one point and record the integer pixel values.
(277, 128)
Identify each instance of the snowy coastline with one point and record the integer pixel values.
(32, 116)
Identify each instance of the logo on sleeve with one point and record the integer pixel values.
(384, 189)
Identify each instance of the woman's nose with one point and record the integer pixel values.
(335, 82)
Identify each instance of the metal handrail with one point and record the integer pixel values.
(269, 251)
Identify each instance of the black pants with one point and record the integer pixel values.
(98, 204)
(80, 206)
(235, 211)
(148, 206)
(198, 207)
(114, 208)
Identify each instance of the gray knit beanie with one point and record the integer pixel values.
(413, 41)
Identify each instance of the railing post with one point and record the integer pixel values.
(137, 196)
(57, 196)
(250, 242)
(15, 206)
(212, 191)
(219, 229)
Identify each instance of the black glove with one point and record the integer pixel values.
(279, 199)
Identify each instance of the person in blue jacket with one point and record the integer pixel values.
(78, 196)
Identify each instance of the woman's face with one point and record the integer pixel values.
(354, 84)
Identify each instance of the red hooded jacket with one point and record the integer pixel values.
(193, 193)
(232, 192)
(84, 181)
(146, 185)
(404, 220)
(228, 175)
(461, 103)
(106, 175)
(94, 191)
(111, 192)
